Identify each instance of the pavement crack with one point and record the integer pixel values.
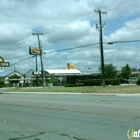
(137, 117)
(72, 136)
(34, 135)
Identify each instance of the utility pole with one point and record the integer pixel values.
(40, 47)
(101, 44)
(36, 70)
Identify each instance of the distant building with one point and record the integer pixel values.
(25, 78)
(6, 78)
(64, 76)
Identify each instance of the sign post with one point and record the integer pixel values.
(1, 69)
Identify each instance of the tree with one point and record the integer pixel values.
(53, 79)
(110, 71)
(126, 72)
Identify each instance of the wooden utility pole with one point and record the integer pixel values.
(101, 45)
(40, 47)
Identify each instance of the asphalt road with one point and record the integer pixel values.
(68, 117)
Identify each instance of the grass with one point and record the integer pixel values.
(91, 89)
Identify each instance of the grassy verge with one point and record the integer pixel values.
(98, 89)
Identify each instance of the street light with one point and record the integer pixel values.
(35, 55)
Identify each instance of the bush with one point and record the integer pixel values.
(98, 82)
(138, 81)
(1, 84)
(112, 81)
(53, 79)
(74, 85)
(93, 82)
(8, 85)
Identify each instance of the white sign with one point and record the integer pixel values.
(37, 73)
(1, 69)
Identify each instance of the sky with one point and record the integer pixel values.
(69, 24)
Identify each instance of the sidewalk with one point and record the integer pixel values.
(75, 93)
(7, 91)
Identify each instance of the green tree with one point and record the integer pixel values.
(110, 71)
(53, 79)
(126, 72)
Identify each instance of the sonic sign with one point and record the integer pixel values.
(34, 51)
(2, 63)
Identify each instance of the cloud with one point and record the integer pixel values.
(122, 56)
(130, 31)
(72, 32)
(71, 23)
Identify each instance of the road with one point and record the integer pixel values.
(68, 117)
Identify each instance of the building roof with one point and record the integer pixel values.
(91, 73)
(15, 71)
(63, 71)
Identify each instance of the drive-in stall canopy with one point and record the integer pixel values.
(60, 72)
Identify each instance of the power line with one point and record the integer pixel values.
(22, 60)
(16, 56)
(71, 48)
(87, 14)
(110, 42)
(129, 41)
(124, 6)
(111, 9)
(66, 23)
(82, 46)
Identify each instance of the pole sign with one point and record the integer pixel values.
(2, 63)
(36, 73)
(34, 51)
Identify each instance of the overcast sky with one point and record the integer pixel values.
(66, 24)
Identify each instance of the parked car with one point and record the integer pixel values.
(133, 79)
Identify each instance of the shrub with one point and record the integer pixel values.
(93, 82)
(98, 82)
(8, 85)
(138, 81)
(74, 85)
(1, 84)
(112, 81)
(53, 79)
